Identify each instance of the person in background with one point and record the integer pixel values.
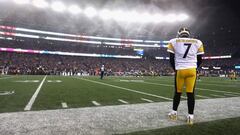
(102, 69)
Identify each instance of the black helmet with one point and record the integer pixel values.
(183, 32)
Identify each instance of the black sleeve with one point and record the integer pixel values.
(199, 60)
(172, 61)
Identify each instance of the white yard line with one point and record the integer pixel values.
(64, 105)
(114, 86)
(221, 96)
(148, 100)
(34, 96)
(122, 101)
(219, 91)
(7, 77)
(231, 94)
(202, 96)
(96, 103)
(168, 85)
(183, 97)
(222, 81)
(226, 85)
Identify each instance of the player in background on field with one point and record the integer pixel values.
(185, 56)
(102, 71)
(232, 75)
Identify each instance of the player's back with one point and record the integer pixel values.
(186, 51)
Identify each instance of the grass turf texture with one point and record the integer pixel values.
(218, 127)
(77, 92)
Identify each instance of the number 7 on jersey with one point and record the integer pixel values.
(188, 47)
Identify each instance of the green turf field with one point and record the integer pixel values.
(218, 127)
(58, 92)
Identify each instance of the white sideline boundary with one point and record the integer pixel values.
(233, 95)
(202, 96)
(108, 120)
(168, 85)
(34, 96)
(227, 85)
(220, 96)
(127, 89)
(224, 81)
(230, 82)
(123, 101)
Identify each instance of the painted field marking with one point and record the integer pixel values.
(122, 101)
(28, 81)
(153, 116)
(34, 96)
(202, 96)
(64, 105)
(8, 77)
(131, 80)
(148, 100)
(183, 97)
(222, 81)
(114, 86)
(4, 93)
(221, 96)
(203, 89)
(54, 81)
(96, 103)
(227, 94)
(219, 91)
(227, 85)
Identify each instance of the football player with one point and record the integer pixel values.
(185, 56)
(233, 75)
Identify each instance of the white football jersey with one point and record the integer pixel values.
(186, 51)
(102, 68)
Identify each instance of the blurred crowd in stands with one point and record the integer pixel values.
(19, 63)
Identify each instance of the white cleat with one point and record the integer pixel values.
(190, 120)
(173, 115)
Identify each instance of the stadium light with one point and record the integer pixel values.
(58, 6)
(119, 15)
(40, 3)
(132, 16)
(182, 17)
(135, 17)
(106, 14)
(78, 36)
(90, 12)
(146, 17)
(74, 9)
(157, 18)
(22, 1)
(170, 18)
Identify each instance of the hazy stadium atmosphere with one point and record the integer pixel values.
(105, 67)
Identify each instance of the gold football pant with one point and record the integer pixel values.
(185, 77)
